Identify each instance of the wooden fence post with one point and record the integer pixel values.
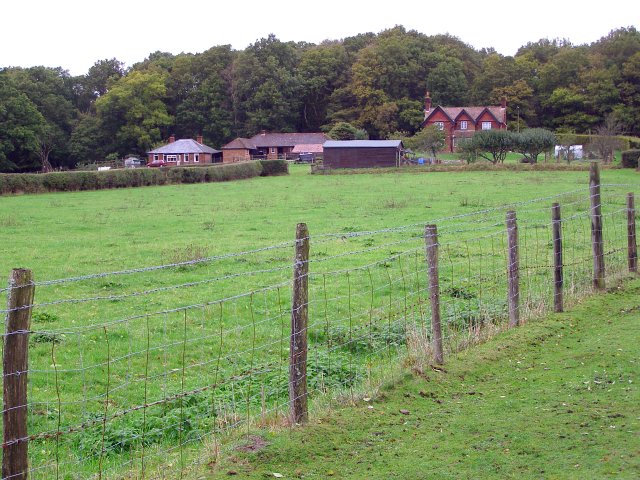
(631, 234)
(596, 227)
(15, 365)
(513, 269)
(299, 325)
(431, 240)
(558, 278)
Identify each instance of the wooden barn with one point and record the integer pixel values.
(362, 153)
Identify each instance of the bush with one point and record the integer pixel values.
(630, 158)
(124, 178)
(274, 167)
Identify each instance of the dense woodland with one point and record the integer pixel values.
(376, 82)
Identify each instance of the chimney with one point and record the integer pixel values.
(263, 133)
(199, 139)
(427, 103)
(172, 138)
(503, 103)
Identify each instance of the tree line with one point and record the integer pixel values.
(374, 82)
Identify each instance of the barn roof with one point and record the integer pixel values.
(363, 144)
(240, 143)
(184, 146)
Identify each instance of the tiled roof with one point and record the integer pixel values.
(239, 144)
(184, 146)
(287, 139)
(474, 112)
(307, 148)
(362, 143)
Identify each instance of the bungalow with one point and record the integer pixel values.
(463, 122)
(271, 146)
(184, 152)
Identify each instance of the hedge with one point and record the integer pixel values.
(135, 177)
(630, 158)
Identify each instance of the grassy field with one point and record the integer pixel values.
(141, 365)
(557, 398)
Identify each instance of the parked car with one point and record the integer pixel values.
(133, 162)
(156, 163)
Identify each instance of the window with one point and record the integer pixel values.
(155, 157)
(196, 157)
(464, 125)
(185, 157)
(486, 125)
(172, 158)
(440, 125)
(272, 150)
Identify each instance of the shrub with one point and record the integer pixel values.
(274, 167)
(124, 178)
(630, 158)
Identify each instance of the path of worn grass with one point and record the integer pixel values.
(557, 398)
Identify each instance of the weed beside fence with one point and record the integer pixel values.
(133, 370)
(136, 177)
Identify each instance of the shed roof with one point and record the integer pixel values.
(287, 139)
(363, 144)
(185, 145)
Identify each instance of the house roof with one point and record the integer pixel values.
(307, 148)
(363, 144)
(185, 145)
(265, 140)
(475, 113)
(240, 144)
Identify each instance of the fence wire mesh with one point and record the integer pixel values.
(140, 372)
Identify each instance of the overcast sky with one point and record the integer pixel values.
(74, 34)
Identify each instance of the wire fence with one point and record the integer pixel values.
(140, 373)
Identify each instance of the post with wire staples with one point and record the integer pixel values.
(596, 227)
(513, 269)
(558, 277)
(14, 374)
(631, 234)
(431, 240)
(299, 327)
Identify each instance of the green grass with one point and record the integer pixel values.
(556, 398)
(151, 336)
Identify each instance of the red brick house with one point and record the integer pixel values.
(271, 146)
(184, 152)
(463, 122)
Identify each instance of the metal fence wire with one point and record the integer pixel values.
(139, 373)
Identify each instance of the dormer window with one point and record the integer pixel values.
(486, 125)
(440, 125)
(464, 125)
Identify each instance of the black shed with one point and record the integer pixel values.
(362, 153)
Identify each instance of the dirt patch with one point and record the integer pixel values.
(254, 444)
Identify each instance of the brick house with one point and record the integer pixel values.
(463, 122)
(270, 146)
(184, 152)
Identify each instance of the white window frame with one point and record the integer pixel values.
(196, 158)
(486, 125)
(185, 157)
(172, 158)
(273, 150)
(440, 125)
(155, 157)
(464, 125)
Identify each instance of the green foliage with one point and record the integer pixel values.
(532, 142)
(274, 167)
(492, 145)
(630, 158)
(430, 139)
(343, 131)
(91, 180)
